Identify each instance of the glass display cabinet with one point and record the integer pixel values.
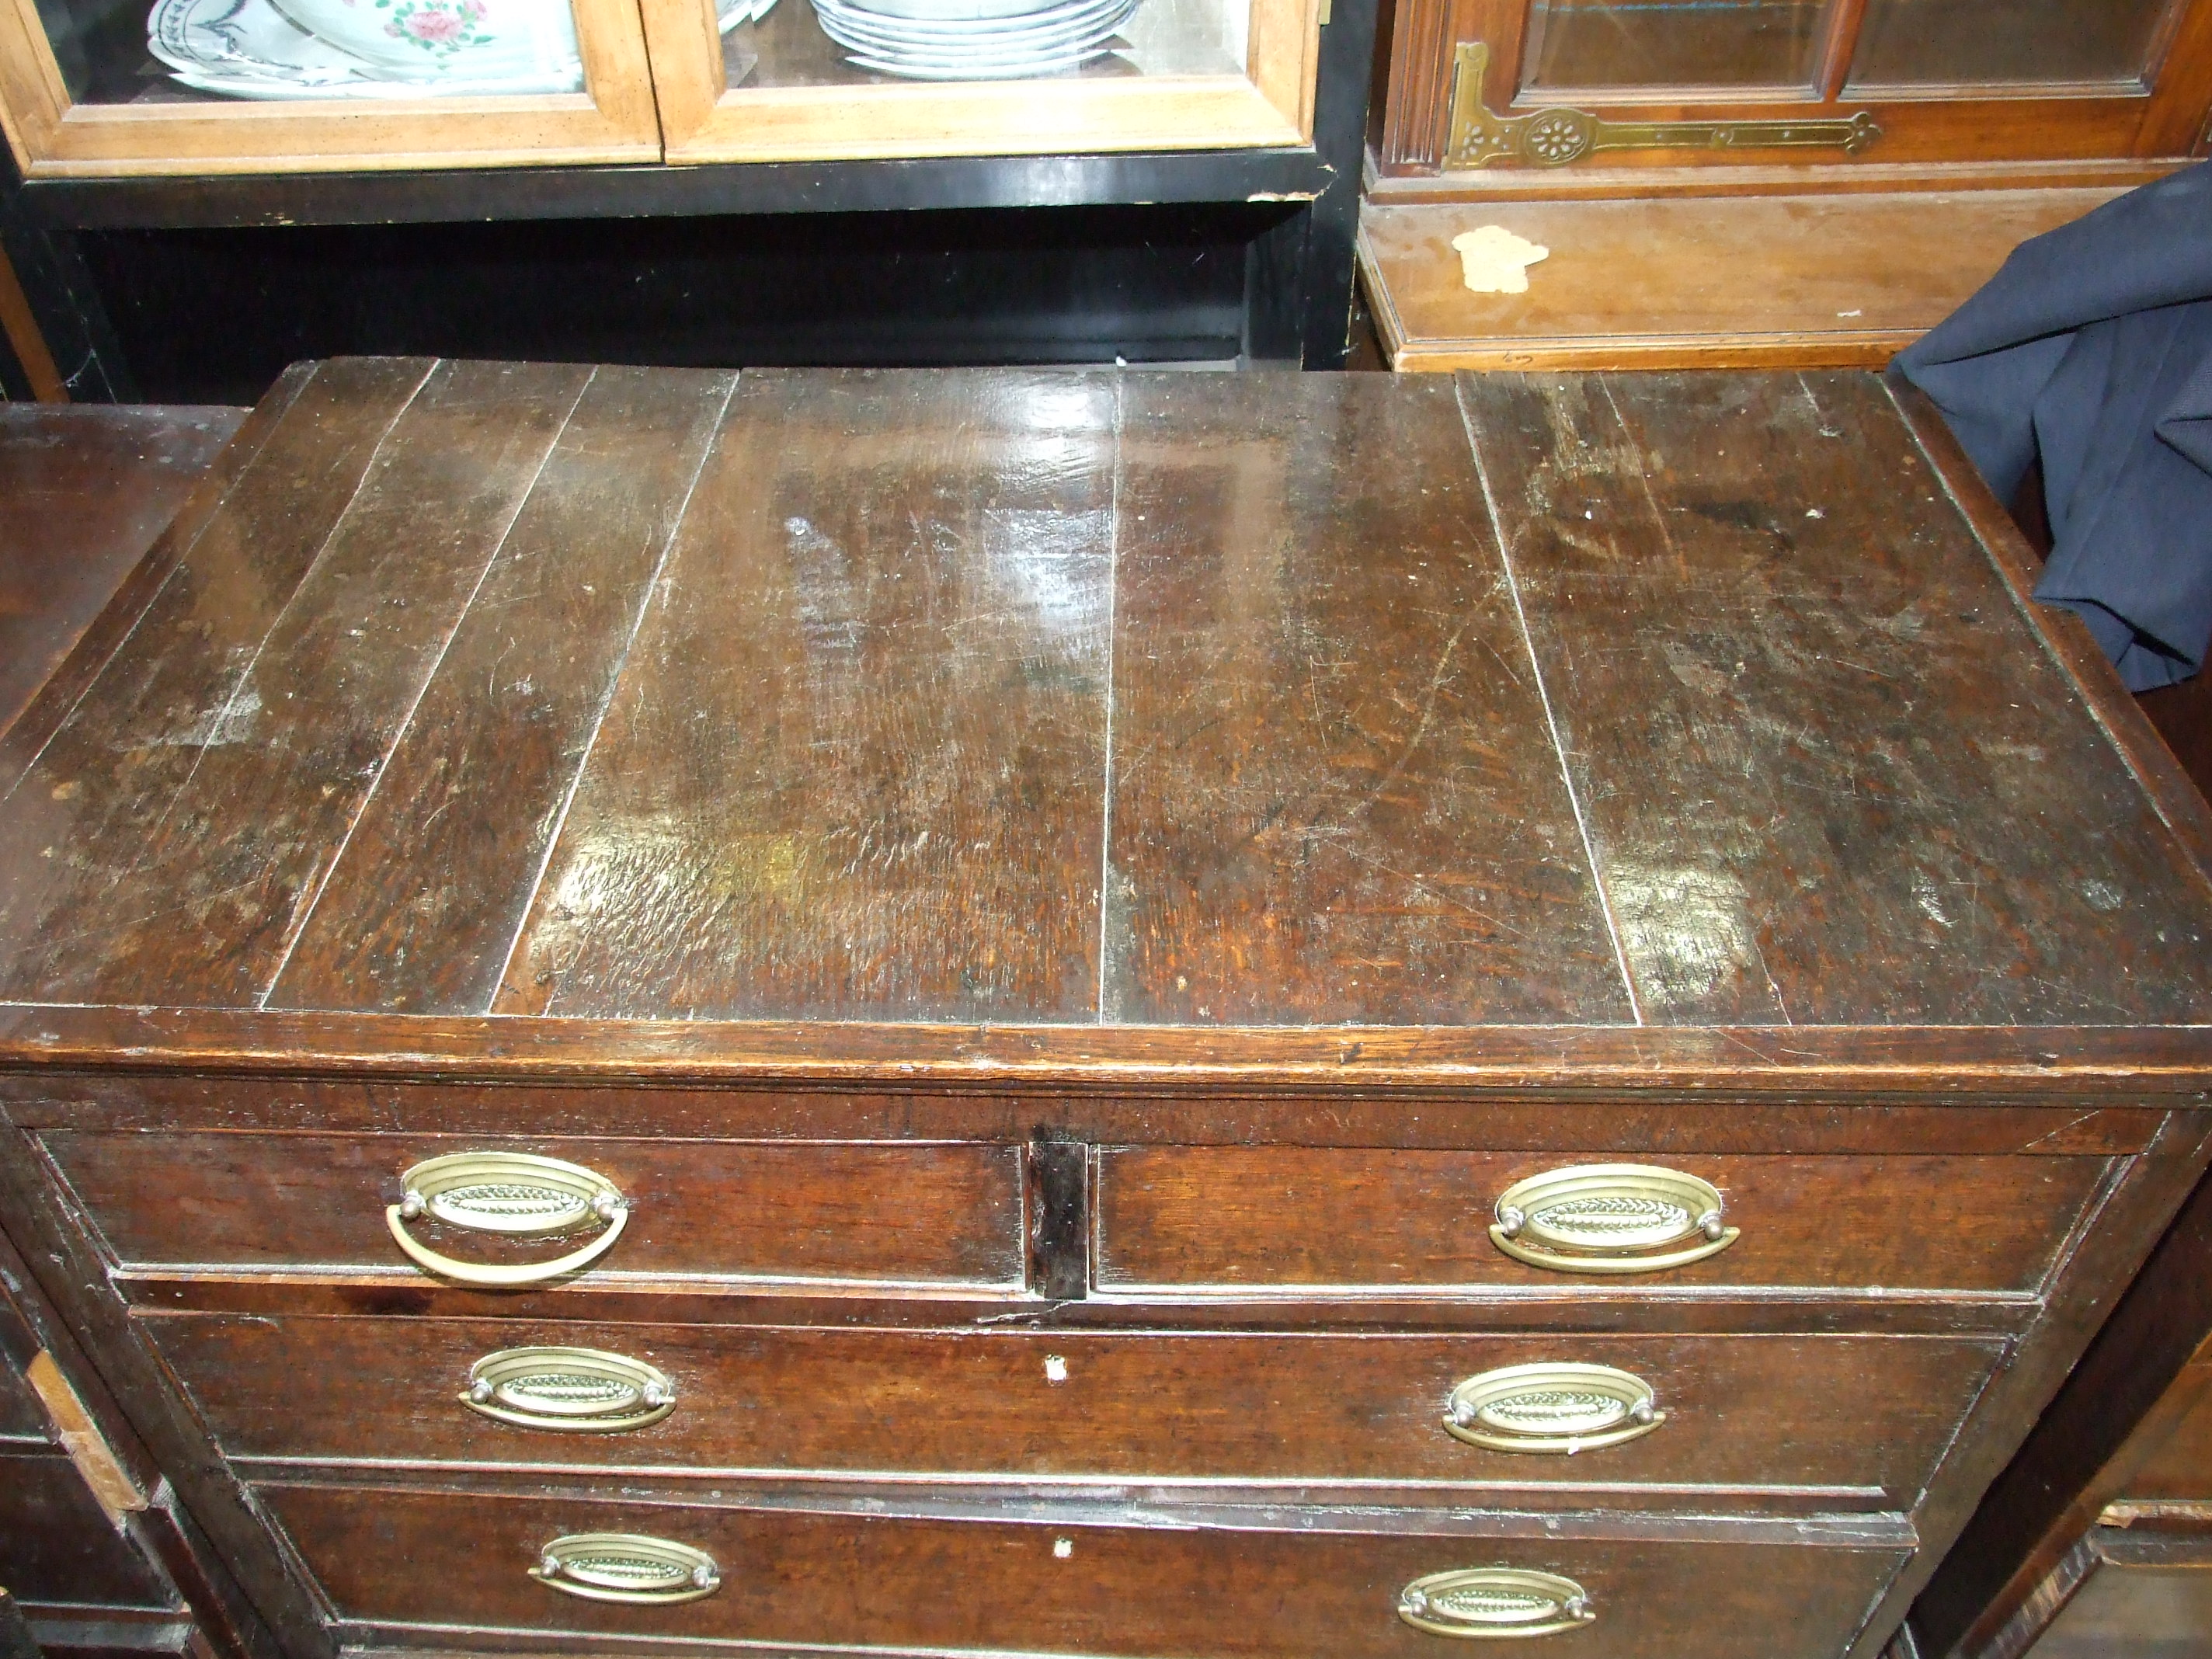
(1483, 85)
(1808, 183)
(92, 88)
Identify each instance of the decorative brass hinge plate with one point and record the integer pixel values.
(1555, 137)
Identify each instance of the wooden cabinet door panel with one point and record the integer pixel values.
(1670, 86)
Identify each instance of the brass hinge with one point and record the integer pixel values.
(1554, 137)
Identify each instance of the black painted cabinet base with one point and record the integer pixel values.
(202, 289)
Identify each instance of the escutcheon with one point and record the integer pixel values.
(626, 1567)
(1561, 1408)
(1495, 1603)
(520, 1194)
(1611, 1218)
(568, 1390)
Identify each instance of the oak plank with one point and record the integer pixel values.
(1332, 795)
(439, 869)
(852, 770)
(199, 907)
(84, 797)
(1832, 774)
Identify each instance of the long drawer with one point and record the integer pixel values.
(405, 1557)
(917, 1213)
(1179, 1218)
(1862, 1418)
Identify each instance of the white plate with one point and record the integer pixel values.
(246, 49)
(955, 11)
(1064, 22)
(1051, 43)
(1029, 68)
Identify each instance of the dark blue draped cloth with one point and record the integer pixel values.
(2092, 350)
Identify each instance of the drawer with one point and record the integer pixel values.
(1185, 1217)
(908, 1212)
(411, 1557)
(57, 1544)
(1863, 1417)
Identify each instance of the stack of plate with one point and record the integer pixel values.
(973, 39)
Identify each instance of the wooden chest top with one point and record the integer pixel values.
(1011, 723)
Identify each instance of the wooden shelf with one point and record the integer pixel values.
(1782, 280)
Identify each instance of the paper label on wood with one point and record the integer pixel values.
(1494, 261)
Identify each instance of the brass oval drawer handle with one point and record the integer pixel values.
(1495, 1603)
(1561, 1408)
(518, 1194)
(627, 1567)
(568, 1390)
(1611, 1218)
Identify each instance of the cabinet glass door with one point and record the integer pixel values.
(1574, 46)
(783, 80)
(198, 86)
(1686, 83)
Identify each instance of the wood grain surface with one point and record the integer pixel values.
(852, 770)
(277, 1203)
(1228, 1216)
(1822, 1422)
(1779, 280)
(58, 1546)
(803, 1579)
(443, 859)
(77, 824)
(1331, 798)
(84, 491)
(1124, 700)
(1827, 778)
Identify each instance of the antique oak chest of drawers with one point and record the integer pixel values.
(1089, 1013)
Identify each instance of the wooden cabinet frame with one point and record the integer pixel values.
(655, 92)
(2063, 124)
(1271, 103)
(53, 137)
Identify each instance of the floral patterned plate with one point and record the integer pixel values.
(248, 49)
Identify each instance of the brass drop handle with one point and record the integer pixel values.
(1494, 1603)
(626, 1567)
(517, 1194)
(568, 1390)
(1557, 1408)
(1611, 1218)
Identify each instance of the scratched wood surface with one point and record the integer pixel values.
(840, 1583)
(854, 769)
(1014, 697)
(1332, 797)
(1849, 1422)
(1829, 775)
(84, 490)
(473, 792)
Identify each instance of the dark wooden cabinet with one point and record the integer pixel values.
(1505, 87)
(1116, 1013)
(96, 1556)
(1758, 182)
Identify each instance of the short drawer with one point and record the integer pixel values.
(1185, 1217)
(803, 1580)
(1862, 1419)
(908, 1212)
